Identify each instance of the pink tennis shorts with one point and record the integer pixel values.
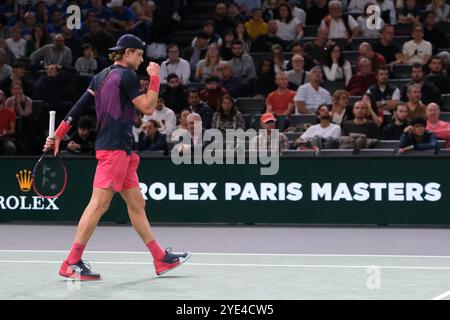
(116, 169)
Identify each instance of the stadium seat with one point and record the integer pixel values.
(332, 86)
(36, 106)
(251, 121)
(336, 153)
(441, 144)
(387, 144)
(258, 56)
(350, 56)
(402, 71)
(444, 26)
(377, 152)
(298, 119)
(446, 101)
(403, 29)
(251, 105)
(310, 31)
(400, 83)
(445, 116)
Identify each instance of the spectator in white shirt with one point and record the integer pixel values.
(336, 68)
(310, 96)
(16, 43)
(366, 29)
(337, 26)
(289, 27)
(441, 9)
(175, 64)
(165, 116)
(417, 50)
(388, 13)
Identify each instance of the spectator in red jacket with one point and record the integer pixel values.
(363, 79)
(213, 92)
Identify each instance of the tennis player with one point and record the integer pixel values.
(115, 93)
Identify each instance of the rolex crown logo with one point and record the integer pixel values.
(24, 178)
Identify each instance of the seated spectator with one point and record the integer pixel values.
(195, 53)
(99, 38)
(335, 67)
(386, 46)
(440, 8)
(340, 26)
(316, 12)
(441, 129)
(340, 109)
(174, 95)
(183, 124)
(137, 127)
(144, 23)
(365, 51)
(415, 106)
(324, 135)
(227, 116)
(388, 12)
(231, 83)
(311, 95)
(19, 102)
(208, 28)
(16, 43)
(416, 137)
(225, 49)
(256, 26)
(56, 23)
(281, 101)
(289, 27)
(7, 128)
(10, 58)
(365, 24)
(263, 141)
(278, 60)
(297, 48)
(17, 75)
(72, 41)
(271, 10)
(39, 38)
(151, 139)
(373, 113)
(86, 65)
(5, 69)
(240, 34)
(242, 64)
(430, 93)
(417, 50)
(410, 13)
(194, 122)
(53, 54)
(82, 141)
(433, 33)
(318, 48)
(360, 124)
(297, 76)
(101, 13)
(207, 67)
(363, 79)
(265, 80)
(121, 19)
(213, 92)
(437, 75)
(175, 64)
(394, 130)
(387, 96)
(222, 21)
(199, 107)
(165, 117)
(264, 42)
(357, 6)
(234, 13)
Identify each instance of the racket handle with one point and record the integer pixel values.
(51, 126)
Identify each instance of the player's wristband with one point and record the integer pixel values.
(154, 84)
(62, 130)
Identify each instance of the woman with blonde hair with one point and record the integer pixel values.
(339, 107)
(440, 8)
(277, 55)
(207, 67)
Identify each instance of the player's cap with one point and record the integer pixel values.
(128, 41)
(115, 3)
(267, 117)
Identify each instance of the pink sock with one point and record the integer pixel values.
(76, 253)
(157, 252)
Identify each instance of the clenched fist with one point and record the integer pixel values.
(153, 69)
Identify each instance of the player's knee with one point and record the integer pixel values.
(137, 206)
(100, 206)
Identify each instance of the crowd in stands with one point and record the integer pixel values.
(317, 58)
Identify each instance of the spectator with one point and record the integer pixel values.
(213, 92)
(365, 24)
(137, 127)
(53, 54)
(263, 141)
(387, 47)
(246, 6)
(39, 38)
(360, 124)
(437, 75)
(225, 49)
(363, 79)
(297, 12)
(195, 53)
(17, 75)
(19, 102)
(310, 96)
(151, 139)
(222, 21)
(430, 93)
(86, 65)
(101, 13)
(387, 96)
(297, 48)
(121, 19)
(213, 37)
(5, 70)
(289, 27)
(277, 56)
(365, 51)
(175, 64)
(415, 106)
(417, 50)
(144, 23)
(416, 137)
(72, 41)
(82, 141)
(56, 24)
(373, 112)
(227, 116)
(388, 13)
(207, 67)
(242, 64)
(175, 96)
(281, 101)
(265, 42)
(410, 13)
(336, 68)
(317, 12)
(357, 6)
(394, 130)
(298, 75)
(7, 128)
(199, 107)
(235, 14)
(324, 135)
(272, 10)
(100, 39)
(265, 80)
(16, 43)
(340, 26)
(183, 126)
(30, 23)
(339, 108)
(256, 25)
(231, 83)
(433, 33)
(440, 128)
(164, 116)
(440, 8)
(240, 34)
(318, 48)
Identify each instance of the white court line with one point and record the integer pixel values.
(241, 254)
(237, 265)
(442, 296)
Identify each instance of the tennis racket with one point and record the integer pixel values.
(49, 178)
